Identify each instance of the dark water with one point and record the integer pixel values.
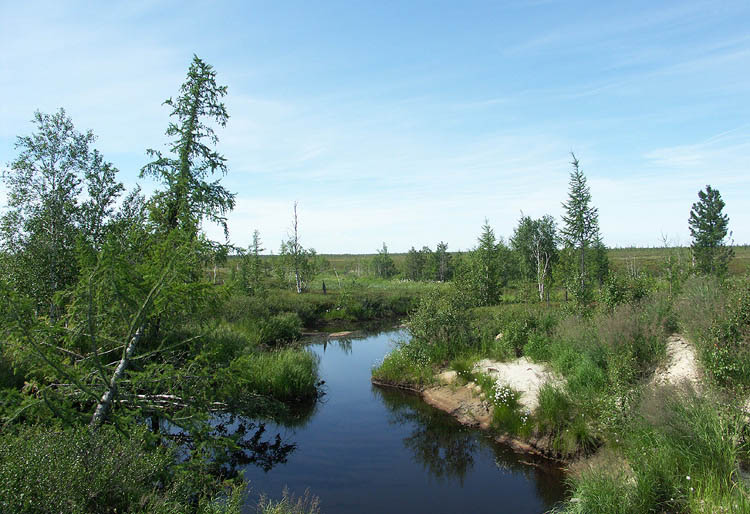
(366, 449)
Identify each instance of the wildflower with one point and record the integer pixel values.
(688, 477)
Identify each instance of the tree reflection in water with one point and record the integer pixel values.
(447, 450)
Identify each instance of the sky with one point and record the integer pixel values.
(410, 122)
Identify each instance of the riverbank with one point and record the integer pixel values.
(644, 418)
(471, 410)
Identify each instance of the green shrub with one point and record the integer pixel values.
(79, 470)
(400, 367)
(537, 348)
(280, 328)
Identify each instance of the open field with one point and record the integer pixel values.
(642, 259)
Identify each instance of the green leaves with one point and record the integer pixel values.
(188, 198)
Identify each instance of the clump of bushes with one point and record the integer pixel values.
(80, 470)
(439, 330)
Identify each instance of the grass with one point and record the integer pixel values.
(285, 375)
(683, 452)
(290, 504)
(400, 368)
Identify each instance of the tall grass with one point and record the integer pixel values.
(285, 375)
(683, 452)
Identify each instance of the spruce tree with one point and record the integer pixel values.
(708, 228)
(580, 229)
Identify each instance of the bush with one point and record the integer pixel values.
(439, 327)
(400, 367)
(280, 328)
(79, 470)
(537, 347)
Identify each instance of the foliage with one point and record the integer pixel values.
(536, 243)
(723, 331)
(383, 264)
(79, 471)
(682, 453)
(442, 263)
(440, 320)
(251, 268)
(296, 260)
(708, 228)
(415, 263)
(188, 198)
(405, 368)
(285, 375)
(483, 273)
(580, 232)
(60, 197)
(507, 413)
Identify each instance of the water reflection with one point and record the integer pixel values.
(447, 450)
(344, 344)
(369, 450)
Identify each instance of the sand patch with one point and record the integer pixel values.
(681, 366)
(524, 376)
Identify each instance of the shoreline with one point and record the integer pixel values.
(468, 409)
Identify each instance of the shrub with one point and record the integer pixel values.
(538, 347)
(399, 367)
(280, 328)
(79, 470)
(439, 327)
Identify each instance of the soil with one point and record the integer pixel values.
(681, 365)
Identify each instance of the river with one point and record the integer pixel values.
(365, 449)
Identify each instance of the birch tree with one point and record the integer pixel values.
(535, 242)
(60, 190)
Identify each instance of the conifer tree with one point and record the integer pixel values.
(708, 228)
(189, 198)
(580, 229)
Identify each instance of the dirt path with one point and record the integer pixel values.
(682, 365)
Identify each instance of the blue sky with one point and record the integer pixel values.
(410, 122)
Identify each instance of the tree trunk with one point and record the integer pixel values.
(105, 403)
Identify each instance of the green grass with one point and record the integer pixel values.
(286, 375)
(400, 368)
(290, 504)
(683, 454)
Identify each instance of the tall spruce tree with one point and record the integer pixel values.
(485, 268)
(580, 229)
(708, 228)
